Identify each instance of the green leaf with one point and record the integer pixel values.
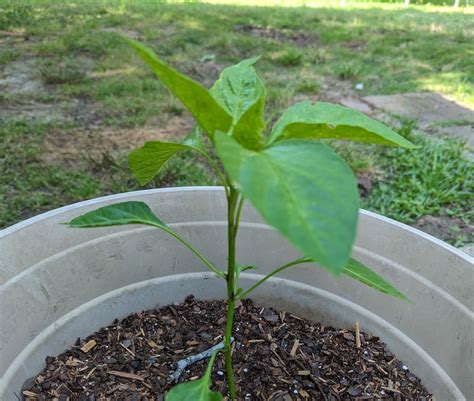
(197, 390)
(132, 212)
(146, 162)
(194, 96)
(241, 92)
(359, 272)
(327, 120)
(303, 189)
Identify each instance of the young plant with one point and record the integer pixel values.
(296, 182)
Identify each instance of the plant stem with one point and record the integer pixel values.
(289, 264)
(237, 218)
(231, 236)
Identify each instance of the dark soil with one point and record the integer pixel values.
(277, 356)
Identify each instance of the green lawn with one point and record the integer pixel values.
(65, 137)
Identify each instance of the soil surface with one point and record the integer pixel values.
(277, 356)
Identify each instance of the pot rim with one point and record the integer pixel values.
(125, 195)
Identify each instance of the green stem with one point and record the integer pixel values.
(237, 218)
(213, 164)
(218, 272)
(258, 283)
(231, 236)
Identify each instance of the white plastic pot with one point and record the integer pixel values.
(58, 283)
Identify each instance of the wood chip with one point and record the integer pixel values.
(304, 372)
(276, 371)
(296, 344)
(391, 389)
(128, 350)
(88, 346)
(303, 393)
(357, 334)
(90, 373)
(125, 375)
(74, 362)
(27, 393)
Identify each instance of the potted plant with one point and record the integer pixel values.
(300, 186)
(296, 183)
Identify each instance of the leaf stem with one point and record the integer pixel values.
(274, 272)
(217, 271)
(207, 375)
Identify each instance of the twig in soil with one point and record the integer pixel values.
(320, 388)
(184, 363)
(357, 334)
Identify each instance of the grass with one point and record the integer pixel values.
(391, 50)
(61, 73)
(28, 185)
(315, 53)
(433, 180)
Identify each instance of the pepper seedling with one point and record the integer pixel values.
(294, 180)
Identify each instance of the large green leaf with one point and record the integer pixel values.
(303, 189)
(327, 120)
(146, 162)
(241, 92)
(195, 97)
(197, 390)
(359, 272)
(132, 212)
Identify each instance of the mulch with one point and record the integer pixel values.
(277, 356)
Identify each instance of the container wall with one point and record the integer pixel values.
(47, 271)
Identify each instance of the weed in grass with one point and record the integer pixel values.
(15, 15)
(8, 55)
(61, 72)
(290, 58)
(51, 47)
(451, 123)
(348, 71)
(310, 87)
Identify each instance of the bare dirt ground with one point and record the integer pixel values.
(64, 146)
